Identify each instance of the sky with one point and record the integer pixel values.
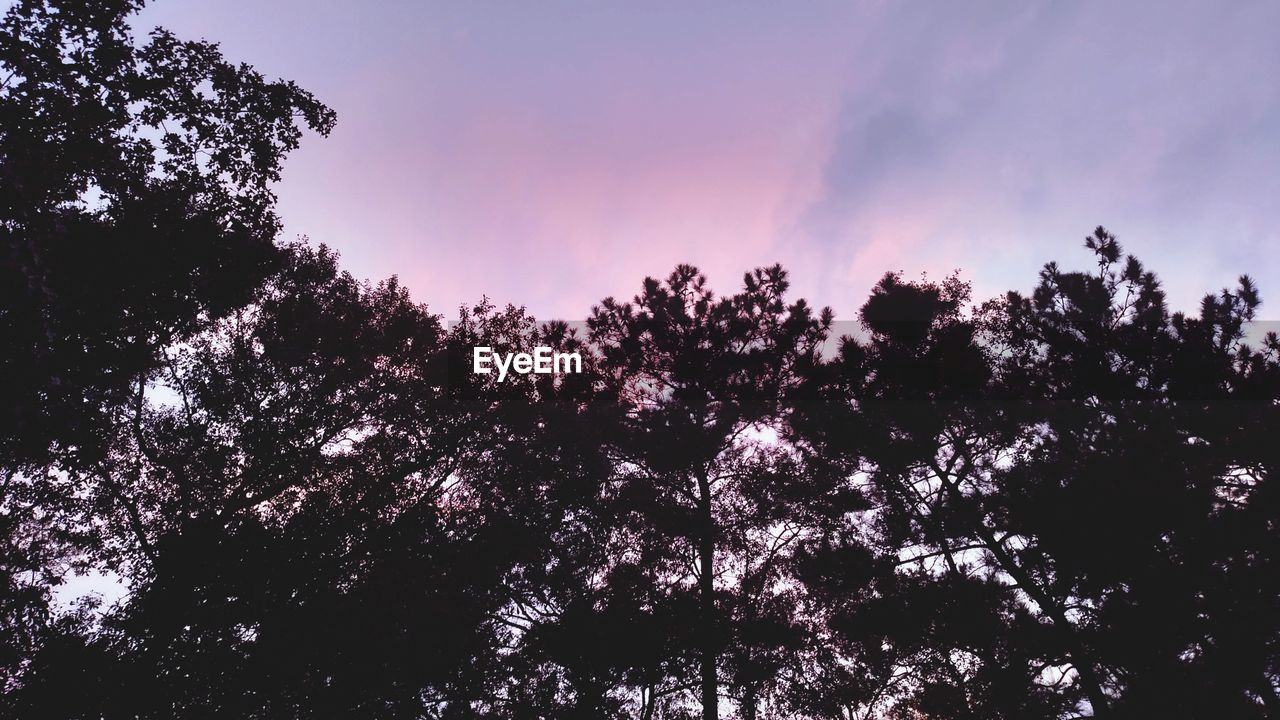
(551, 154)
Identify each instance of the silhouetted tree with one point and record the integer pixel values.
(283, 517)
(137, 202)
(135, 206)
(888, 408)
(1147, 424)
(1080, 453)
(703, 496)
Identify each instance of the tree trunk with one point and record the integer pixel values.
(707, 599)
(650, 702)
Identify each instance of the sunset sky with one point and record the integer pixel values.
(550, 154)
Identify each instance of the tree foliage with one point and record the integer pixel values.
(1052, 505)
(135, 208)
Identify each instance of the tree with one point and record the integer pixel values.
(702, 497)
(1079, 454)
(329, 513)
(135, 207)
(1148, 422)
(888, 410)
(292, 479)
(137, 203)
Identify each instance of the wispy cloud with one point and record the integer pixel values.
(554, 154)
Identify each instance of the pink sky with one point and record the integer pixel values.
(550, 154)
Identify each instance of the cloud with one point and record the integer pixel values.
(993, 139)
(552, 155)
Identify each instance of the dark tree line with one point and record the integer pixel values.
(1046, 506)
